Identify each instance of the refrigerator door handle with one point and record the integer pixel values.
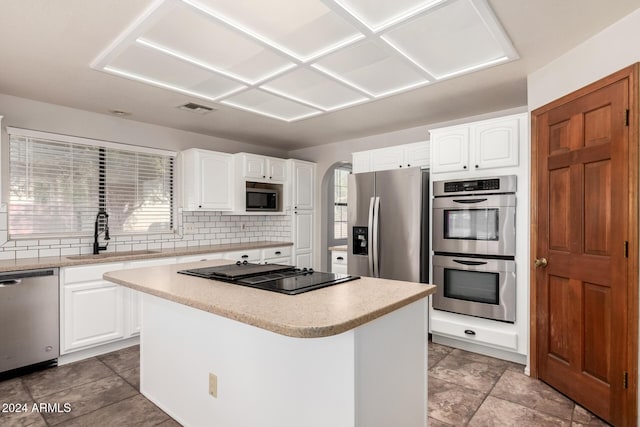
(376, 236)
(370, 237)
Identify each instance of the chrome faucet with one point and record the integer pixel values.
(96, 246)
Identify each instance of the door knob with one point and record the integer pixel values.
(540, 262)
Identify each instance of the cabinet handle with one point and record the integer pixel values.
(400, 165)
(476, 166)
(340, 258)
(244, 256)
(278, 252)
(464, 167)
(270, 177)
(408, 165)
(469, 332)
(264, 176)
(199, 206)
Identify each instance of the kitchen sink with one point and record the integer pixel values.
(112, 254)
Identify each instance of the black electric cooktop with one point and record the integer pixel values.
(285, 279)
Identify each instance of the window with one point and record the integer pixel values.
(58, 183)
(340, 178)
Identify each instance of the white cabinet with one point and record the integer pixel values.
(92, 309)
(303, 238)
(361, 162)
(278, 255)
(339, 262)
(302, 218)
(416, 154)
(200, 257)
(303, 184)
(480, 145)
(251, 255)
(207, 180)
(262, 168)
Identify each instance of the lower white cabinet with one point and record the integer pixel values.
(94, 311)
(339, 262)
(279, 255)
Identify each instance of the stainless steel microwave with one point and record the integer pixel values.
(261, 199)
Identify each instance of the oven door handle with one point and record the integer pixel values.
(469, 201)
(463, 262)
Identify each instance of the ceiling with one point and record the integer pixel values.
(288, 76)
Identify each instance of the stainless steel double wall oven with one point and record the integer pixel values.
(474, 244)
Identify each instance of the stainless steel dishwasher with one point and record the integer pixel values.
(29, 318)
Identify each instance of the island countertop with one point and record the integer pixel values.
(318, 313)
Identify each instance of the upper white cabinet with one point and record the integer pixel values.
(480, 145)
(207, 180)
(361, 162)
(303, 184)
(262, 168)
(400, 156)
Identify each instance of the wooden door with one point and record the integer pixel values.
(584, 318)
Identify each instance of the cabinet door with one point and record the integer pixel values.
(277, 170)
(450, 150)
(93, 314)
(303, 231)
(216, 181)
(304, 260)
(387, 158)
(361, 162)
(254, 166)
(496, 143)
(416, 154)
(303, 185)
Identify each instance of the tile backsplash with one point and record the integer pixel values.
(194, 229)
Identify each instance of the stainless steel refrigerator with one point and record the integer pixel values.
(388, 224)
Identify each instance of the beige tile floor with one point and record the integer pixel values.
(465, 389)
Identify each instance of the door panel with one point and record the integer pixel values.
(582, 226)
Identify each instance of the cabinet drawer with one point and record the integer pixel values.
(339, 257)
(201, 257)
(473, 333)
(250, 255)
(87, 273)
(339, 268)
(280, 252)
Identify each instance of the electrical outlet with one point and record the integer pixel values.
(213, 385)
(243, 226)
(189, 227)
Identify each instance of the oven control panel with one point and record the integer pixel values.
(497, 184)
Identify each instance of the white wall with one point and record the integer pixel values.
(607, 52)
(329, 154)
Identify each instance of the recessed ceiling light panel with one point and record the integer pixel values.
(371, 68)
(380, 14)
(302, 28)
(270, 105)
(314, 88)
(291, 59)
(448, 40)
(194, 35)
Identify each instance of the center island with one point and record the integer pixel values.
(218, 354)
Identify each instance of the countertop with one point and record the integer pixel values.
(318, 313)
(338, 248)
(67, 261)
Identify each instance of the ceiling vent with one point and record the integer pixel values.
(196, 108)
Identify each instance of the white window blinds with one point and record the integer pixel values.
(58, 184)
